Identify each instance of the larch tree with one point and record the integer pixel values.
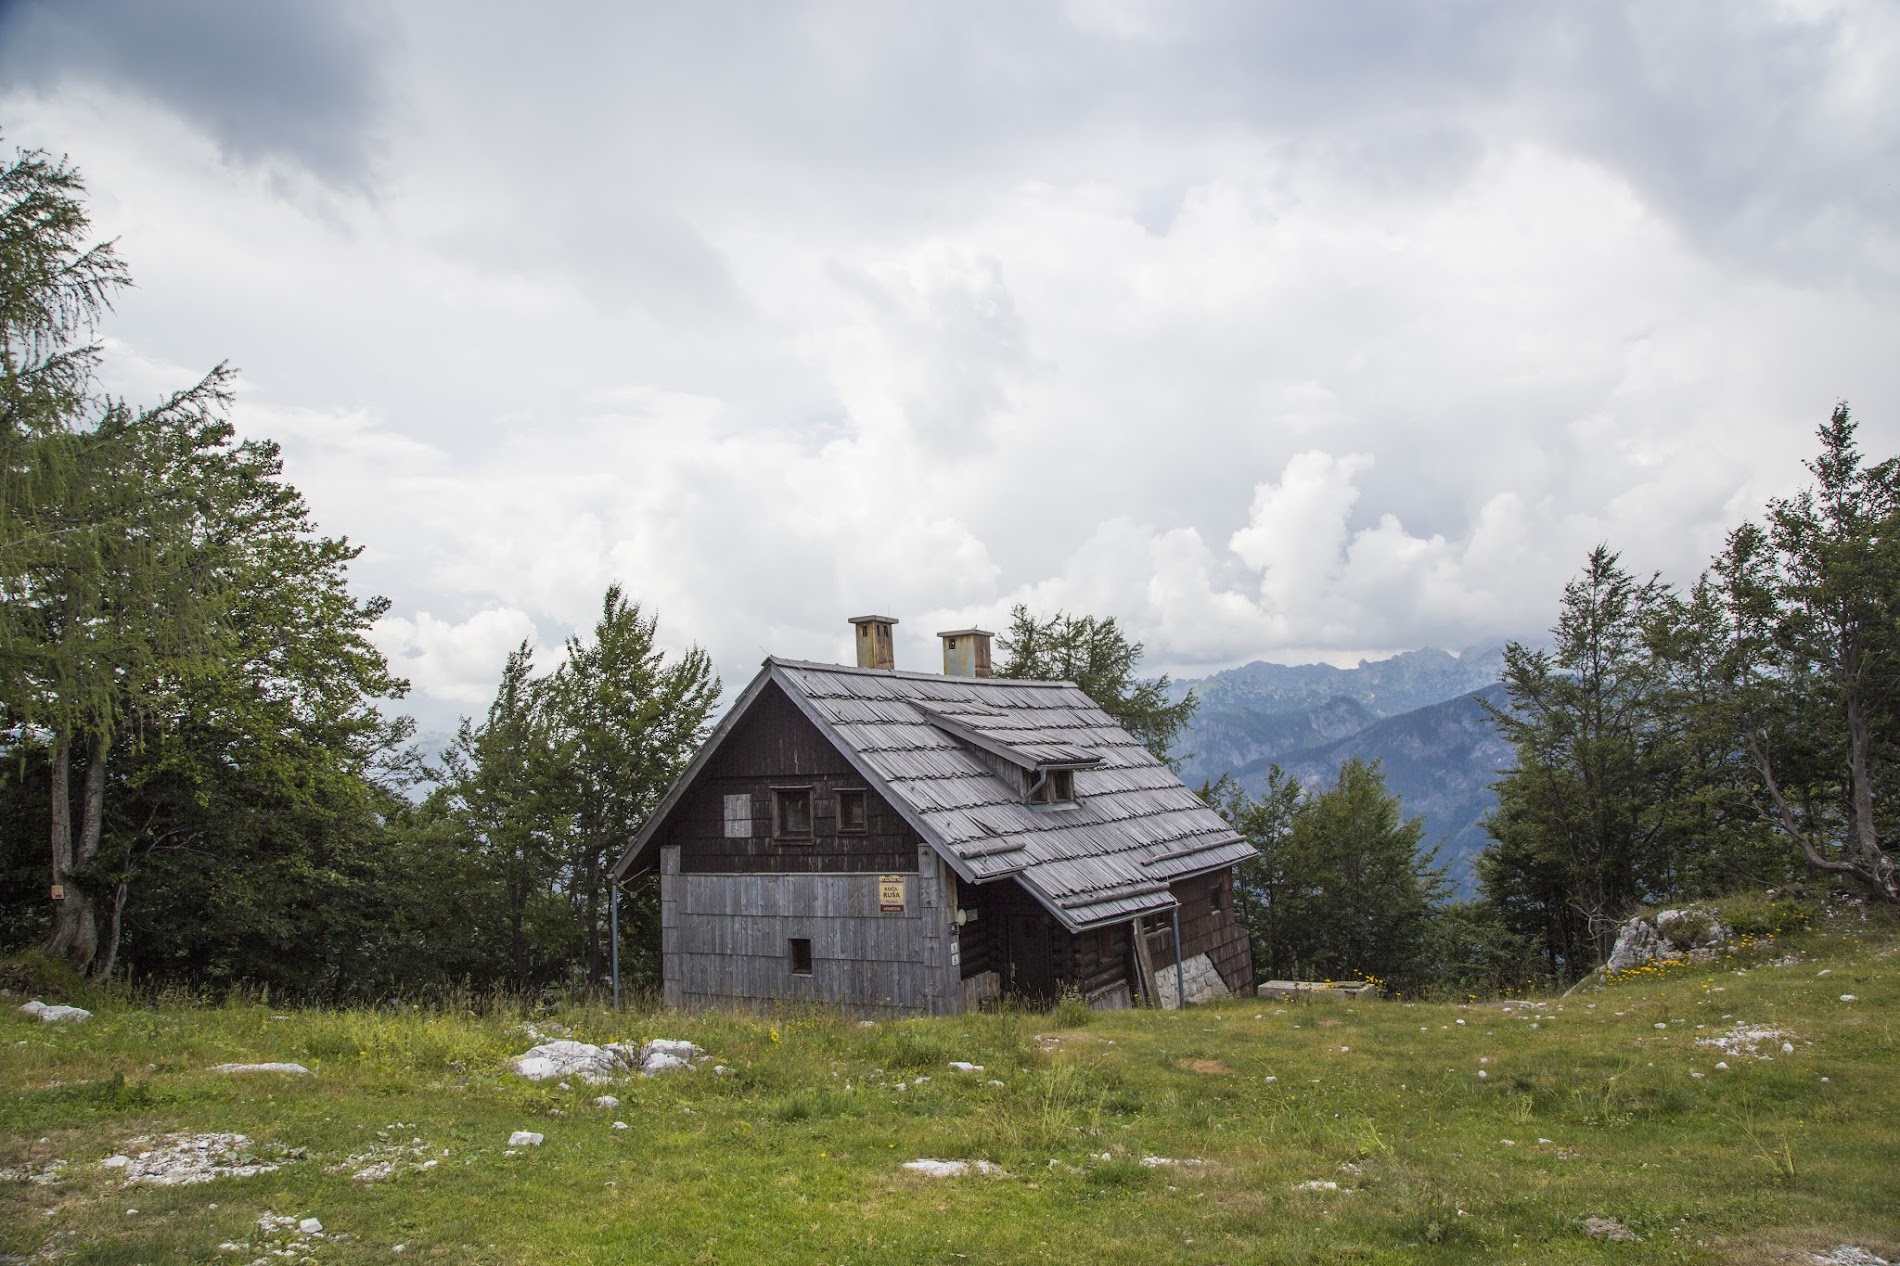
(1805, 658)
(103, 583)
(1097, 656)
(627, 718)
(1584, 818)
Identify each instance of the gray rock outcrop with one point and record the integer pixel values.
(1636, 944)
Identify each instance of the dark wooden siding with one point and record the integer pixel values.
(775, 746)
(1208, 927)
(1035, 955)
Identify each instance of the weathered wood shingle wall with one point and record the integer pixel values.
(727, 938)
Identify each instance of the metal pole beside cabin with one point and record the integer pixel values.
(613, 932)
(1180, 976)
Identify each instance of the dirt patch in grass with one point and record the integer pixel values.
(1206, 1067)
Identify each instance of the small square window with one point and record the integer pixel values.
(800, 949)
(739, 817)
(1217, 894)
(853, 812)
(791, 812)
(1052, 786)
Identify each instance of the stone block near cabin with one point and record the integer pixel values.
(1203, 982)
(1283, 989)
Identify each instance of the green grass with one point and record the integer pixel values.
(795, 1157)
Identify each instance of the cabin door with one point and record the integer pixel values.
(1031, 960)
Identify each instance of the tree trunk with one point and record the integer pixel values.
(75, 935)
(1878, 866)
(68, 908)
(102, 968)
(83, 946)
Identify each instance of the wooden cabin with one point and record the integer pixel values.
(914, 843)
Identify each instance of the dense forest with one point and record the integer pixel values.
(207, 783)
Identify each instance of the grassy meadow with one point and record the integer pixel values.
(1449, 1132)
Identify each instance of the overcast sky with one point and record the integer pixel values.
(1280, 331)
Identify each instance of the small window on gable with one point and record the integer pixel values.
(800, 952)
(1052, 786)
(791, 813)
(1217, 894)
(739, 817)
(853, 813)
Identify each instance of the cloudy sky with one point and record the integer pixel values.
(1278, 330)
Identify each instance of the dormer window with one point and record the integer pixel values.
(1052, 786)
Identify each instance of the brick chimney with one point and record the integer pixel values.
(966, 652)
(874, 641)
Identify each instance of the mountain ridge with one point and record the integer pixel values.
(1421, 714)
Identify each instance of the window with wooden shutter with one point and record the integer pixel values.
(739, 817)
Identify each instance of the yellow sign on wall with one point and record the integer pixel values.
(890, 894)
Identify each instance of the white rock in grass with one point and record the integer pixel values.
(295, 1070)
(606, 1101)
(1317, 1184)
(551, 1061)
(661, 1062)
(1168, 1162)
(952, 1168)
(1846, 997)
(663, 1055)
(620, 1125)
(55, 1014)
(1847, 1255)
(115, 1162)
(177, 1160)
(308, 1226)
(670, 1046)
(524, 1138)
(963, 1066)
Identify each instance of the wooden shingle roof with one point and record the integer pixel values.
(932, 744)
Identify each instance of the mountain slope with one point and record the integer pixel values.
(1418, 714)
(1439, 760)
(1386, 687)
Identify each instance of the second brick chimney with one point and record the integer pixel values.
(966, 652)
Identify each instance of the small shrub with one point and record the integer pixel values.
(905, 1046)
(1759, 916)
(1121, 1173)
(1688, 929)
(114, 1094)
(35, 975)
(1073, 1011)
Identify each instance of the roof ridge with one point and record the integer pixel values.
(911, 675)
